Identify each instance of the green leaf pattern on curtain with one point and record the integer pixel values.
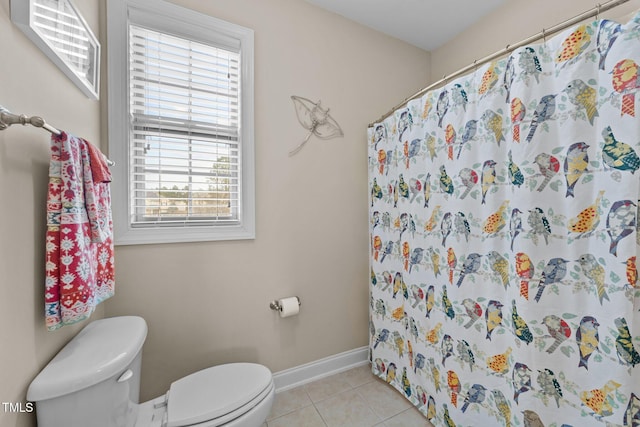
(504, 234)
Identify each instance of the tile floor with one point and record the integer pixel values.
(355, 398)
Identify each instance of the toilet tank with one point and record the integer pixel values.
(94, 381)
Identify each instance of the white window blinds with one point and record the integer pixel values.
(60, 31)
(59, 25)
(184, 144)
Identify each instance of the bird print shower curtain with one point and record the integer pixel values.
(503, 237)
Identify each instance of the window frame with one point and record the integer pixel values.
(22, 15)
(168, 18)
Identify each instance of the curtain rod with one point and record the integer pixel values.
(7, 119)
(599, 8)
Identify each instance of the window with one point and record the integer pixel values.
(58, 29)
(180, 124)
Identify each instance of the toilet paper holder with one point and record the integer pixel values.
(275, 304)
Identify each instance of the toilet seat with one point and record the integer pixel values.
(217, 395)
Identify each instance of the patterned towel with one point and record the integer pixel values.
(79, 244)
(97, 193)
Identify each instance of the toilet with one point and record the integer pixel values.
(94, 381)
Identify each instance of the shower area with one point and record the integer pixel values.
(503, 225)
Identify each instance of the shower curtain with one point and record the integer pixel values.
(503, 238)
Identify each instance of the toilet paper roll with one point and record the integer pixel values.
(289, 306)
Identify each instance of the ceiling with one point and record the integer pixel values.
(427, 24)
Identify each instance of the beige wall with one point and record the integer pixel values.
(311, 209)
(515, 21)
(31, 84)
(208, 303)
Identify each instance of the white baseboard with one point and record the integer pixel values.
(312, 371)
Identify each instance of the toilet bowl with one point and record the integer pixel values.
(94, 381)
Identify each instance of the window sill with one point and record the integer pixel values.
(183, 235)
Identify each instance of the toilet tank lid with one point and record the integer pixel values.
(100, 351)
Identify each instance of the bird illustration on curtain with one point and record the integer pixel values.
(504, 287)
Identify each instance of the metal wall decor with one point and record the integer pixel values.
(316, 120)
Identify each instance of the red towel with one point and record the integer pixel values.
(96, 191)
(79, 269)
(99, 166)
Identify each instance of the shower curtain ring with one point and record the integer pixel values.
(598, 11)
(544, 35)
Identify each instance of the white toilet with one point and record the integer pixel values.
(94, 381)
